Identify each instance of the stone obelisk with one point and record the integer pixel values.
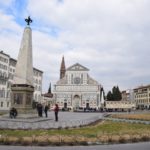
(22, 89)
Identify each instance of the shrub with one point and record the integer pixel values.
(66, 127)
(59, 128)
(145, 138)
(83, 143)
(122, 140)
(134, 139)
(43, 143)
(110, 140)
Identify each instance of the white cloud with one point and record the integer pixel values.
(111, 38)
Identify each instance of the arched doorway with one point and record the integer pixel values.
(87, 104)
(65, 104)
(76, 100)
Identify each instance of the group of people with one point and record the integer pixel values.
(40, 110)
(13, 111)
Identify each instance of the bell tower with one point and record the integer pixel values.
(62, 68)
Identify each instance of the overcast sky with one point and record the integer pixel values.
(109, 37)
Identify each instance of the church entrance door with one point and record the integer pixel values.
(76, 101)
(87, 105)
(65, 105)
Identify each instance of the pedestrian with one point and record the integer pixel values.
(45, 110)
(13, 112)
(39, 109)
(56, 109)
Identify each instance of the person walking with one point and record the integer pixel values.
(56, 109)
(45, 110)
(39, 109)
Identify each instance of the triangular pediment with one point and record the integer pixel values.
(77, 67)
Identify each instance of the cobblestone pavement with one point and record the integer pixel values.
(135, 146)
(66, 119)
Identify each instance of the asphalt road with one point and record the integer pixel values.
(135, 146)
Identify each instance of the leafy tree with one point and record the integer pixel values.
(118, 94)
(115, 95)
(109, 96)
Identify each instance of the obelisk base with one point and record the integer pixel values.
(22, 98)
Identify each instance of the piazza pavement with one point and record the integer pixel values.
(66, 120)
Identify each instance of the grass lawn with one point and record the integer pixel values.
(145, 117)
(106, 131)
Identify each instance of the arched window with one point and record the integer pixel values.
(4, 74)
(7, 104)
(81, 78)
(71, 78)
(8, 93)
(0, 92)
(3, 92)
(39, 81)
(39, 88)
(2, 104)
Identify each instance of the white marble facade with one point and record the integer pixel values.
(77, 89)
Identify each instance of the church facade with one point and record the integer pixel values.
(76, 89)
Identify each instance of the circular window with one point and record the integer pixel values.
(77, 80)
